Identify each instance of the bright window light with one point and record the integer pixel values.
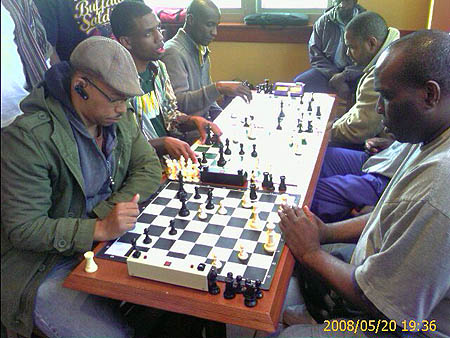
(294, 4)
(185, 3)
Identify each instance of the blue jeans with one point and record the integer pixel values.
(342, 185)
(62, 312)
(314, 81)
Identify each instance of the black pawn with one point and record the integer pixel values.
(238, 284)
(208, 140)
(254, 153)
(312, 97)
(246, 123)
(229, 292)
(147, 239)
(300, 128)
(258, 291)
(301, 99)
(318, 113)
(265, 182)
(281, 110)
(282, 187)
(204, 160)
(136, 252)
(184, 211)
(249, 294)
(253, 195)
(209, 201)
(279, 124)
(309, 106)
(241, 152)
(227, 150)
(270, 185)
(221, 162)
(172, 230)
(213, 288)
(310, 127)
(197, 193)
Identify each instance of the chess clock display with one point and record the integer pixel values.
(288, 89)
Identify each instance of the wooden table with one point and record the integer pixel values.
(112, 280)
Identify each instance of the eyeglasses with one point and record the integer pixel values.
(114, 101)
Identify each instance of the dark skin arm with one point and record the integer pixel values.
(304, 233)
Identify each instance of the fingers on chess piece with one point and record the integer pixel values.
(90, 266)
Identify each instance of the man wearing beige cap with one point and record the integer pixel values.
(74, 167)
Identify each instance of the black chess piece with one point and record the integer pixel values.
(300, 128)
(221, 161)
(227, 149)
(147, 239)
(230, 291)
(213, 288)
(208, 140)
(258, 291)
(312, 97)
(184, 211)
(204, 160)
(265, 181)
(241, 152)
(254, 153)
(318, 113)
(209, 201)
(309, 106)
(181, 192)
(282, 187)
(301, 98)
(270, 185)
(279, 124)
(310, 127)
(238, 284)
(172, 230)
(253, 195)
(197, 193)
(246, 123)
(249, 294)
(282, 114)
(136, 252)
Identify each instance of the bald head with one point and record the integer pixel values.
(198, 7)
(202, 19)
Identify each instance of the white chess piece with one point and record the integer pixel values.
(242, 255)
(246, 203)
(216, 262)
(269, 246)
(254, 221)
(222, 210)
(91, 266)
(251, 132)
(201, 212)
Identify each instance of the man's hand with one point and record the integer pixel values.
(234, 88)
(338, 83)
(302, 230)
(120, 219)
(176, 148)
(201, 123)
(376, 144)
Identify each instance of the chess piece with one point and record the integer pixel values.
(246, 200)
(213, 288)
(241, 152)
(270, 186)
(253, 195)
(181, 190)
(282, 186)
(279, 124)
(309, 106)
(209, 201)
(254, 153)
(249, 294)
(238, 284)
(312, 97)
(304, 143)
(204, 160)
(258, 291)
(230, 291)
(208, 140)
(136, 252)
(269, 246)
(147, 239)
(242, 254)
(318, 113)
(201, 213)
(197, 193)
(254, 223)
(300, 128)
(221, 162)
(246, 123)
(265, 180)
(227, 149)
(301, 98)
(91, 266)
(172, 230)
(184, 211)
(310, 127)
(216, 263)
(282, 114)
(251, 133)
(222, 210)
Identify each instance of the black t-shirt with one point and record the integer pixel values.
(68, 22)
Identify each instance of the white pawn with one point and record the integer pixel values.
(201, 212)
(215, 262)
(246, 203)
(251, 133)
(269, 246)
(91, 266)
(242, 255)
(222, 210)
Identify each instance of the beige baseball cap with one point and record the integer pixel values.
(111, 61)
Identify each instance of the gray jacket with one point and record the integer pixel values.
(194, 90)
(327, 51)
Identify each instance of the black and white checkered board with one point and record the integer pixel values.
(197, 240)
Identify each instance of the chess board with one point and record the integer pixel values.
(286, 152)
(198, 240)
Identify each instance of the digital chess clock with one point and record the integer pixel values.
(288, 89)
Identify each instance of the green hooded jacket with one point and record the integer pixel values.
(42, 197)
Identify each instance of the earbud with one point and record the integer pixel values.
(81, 92)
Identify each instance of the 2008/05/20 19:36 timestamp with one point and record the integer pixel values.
(378, 325)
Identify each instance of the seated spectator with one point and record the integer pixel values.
(366, 36)
(137, 28)
(332, 71)
(399, 271)
(74, 167)
(188, 63)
